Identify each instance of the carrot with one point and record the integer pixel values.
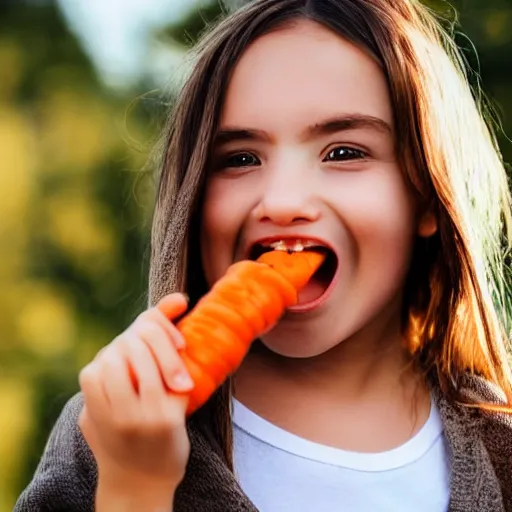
(247, 302)
(297, 267)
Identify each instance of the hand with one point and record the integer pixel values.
(133, 424)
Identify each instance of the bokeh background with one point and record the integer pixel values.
(84, 88)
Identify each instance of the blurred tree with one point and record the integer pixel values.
(482, 30)
(74, 209)
(194, 23)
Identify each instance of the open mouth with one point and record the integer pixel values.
(321, 283)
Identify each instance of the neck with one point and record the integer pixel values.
(369, 376)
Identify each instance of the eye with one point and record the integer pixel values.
(239, 160)
(344, 153)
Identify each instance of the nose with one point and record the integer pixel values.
(287, 199)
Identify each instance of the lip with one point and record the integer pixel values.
(309, 306)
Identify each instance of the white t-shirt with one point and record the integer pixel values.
(281, 472)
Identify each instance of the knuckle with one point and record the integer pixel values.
(145, 317)
(150, 330)
(119, 340)
(87, 375)
(109, 360)
(146, 313)
(123, 344)
(110, 357)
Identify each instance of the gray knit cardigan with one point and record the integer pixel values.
(480, 452)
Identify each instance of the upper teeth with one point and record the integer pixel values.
(291, 245)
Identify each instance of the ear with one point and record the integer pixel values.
(427, 225)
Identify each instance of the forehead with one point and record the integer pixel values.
(303, 73)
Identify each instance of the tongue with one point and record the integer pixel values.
(312, 291)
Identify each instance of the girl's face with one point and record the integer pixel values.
(306, 149)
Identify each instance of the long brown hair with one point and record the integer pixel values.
(456, 293)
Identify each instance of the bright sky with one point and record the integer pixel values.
(115, 32)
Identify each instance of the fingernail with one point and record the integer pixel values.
(182, 382)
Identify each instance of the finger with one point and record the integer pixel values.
(117, 382)
(170, 365)
(173, 305)
(100, 352)
(174, 408)
(95, 399)
(155, 315)
(140, 357)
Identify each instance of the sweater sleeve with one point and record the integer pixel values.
(65, 479)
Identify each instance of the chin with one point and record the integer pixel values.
(301, 350)
(299, 342)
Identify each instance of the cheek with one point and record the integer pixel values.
(378, 212)
(223, 214)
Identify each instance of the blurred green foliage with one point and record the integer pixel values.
(74, 210)
(75, 204)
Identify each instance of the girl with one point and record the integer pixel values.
(348, 124)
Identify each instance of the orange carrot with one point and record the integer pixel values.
(297, 267)
(244, 304)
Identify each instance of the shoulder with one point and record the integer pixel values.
(495, 427)
(65, 478)
(478, 390)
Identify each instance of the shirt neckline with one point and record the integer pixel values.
(407, 453)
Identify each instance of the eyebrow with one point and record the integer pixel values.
(327, 127)
(349, 122)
